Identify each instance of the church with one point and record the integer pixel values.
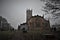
(35, 23)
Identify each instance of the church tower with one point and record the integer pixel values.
(28, 14)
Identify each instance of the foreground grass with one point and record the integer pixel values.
(27, 36)
(31, 35)
(6, 35)
(19, 35)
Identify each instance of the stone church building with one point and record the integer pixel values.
(37, 23)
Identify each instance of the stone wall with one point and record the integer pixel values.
(38, 23)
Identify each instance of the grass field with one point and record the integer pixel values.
(6, 35)
(19, 35)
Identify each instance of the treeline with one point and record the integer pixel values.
(4, 25)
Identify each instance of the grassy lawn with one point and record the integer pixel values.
(6, 35)
(19, 35)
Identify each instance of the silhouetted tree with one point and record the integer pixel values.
(4, 25)
(52, 7)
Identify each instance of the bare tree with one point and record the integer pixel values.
(52, 7)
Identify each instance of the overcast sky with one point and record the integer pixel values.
(15, 10)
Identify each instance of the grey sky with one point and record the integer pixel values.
(15, 10)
